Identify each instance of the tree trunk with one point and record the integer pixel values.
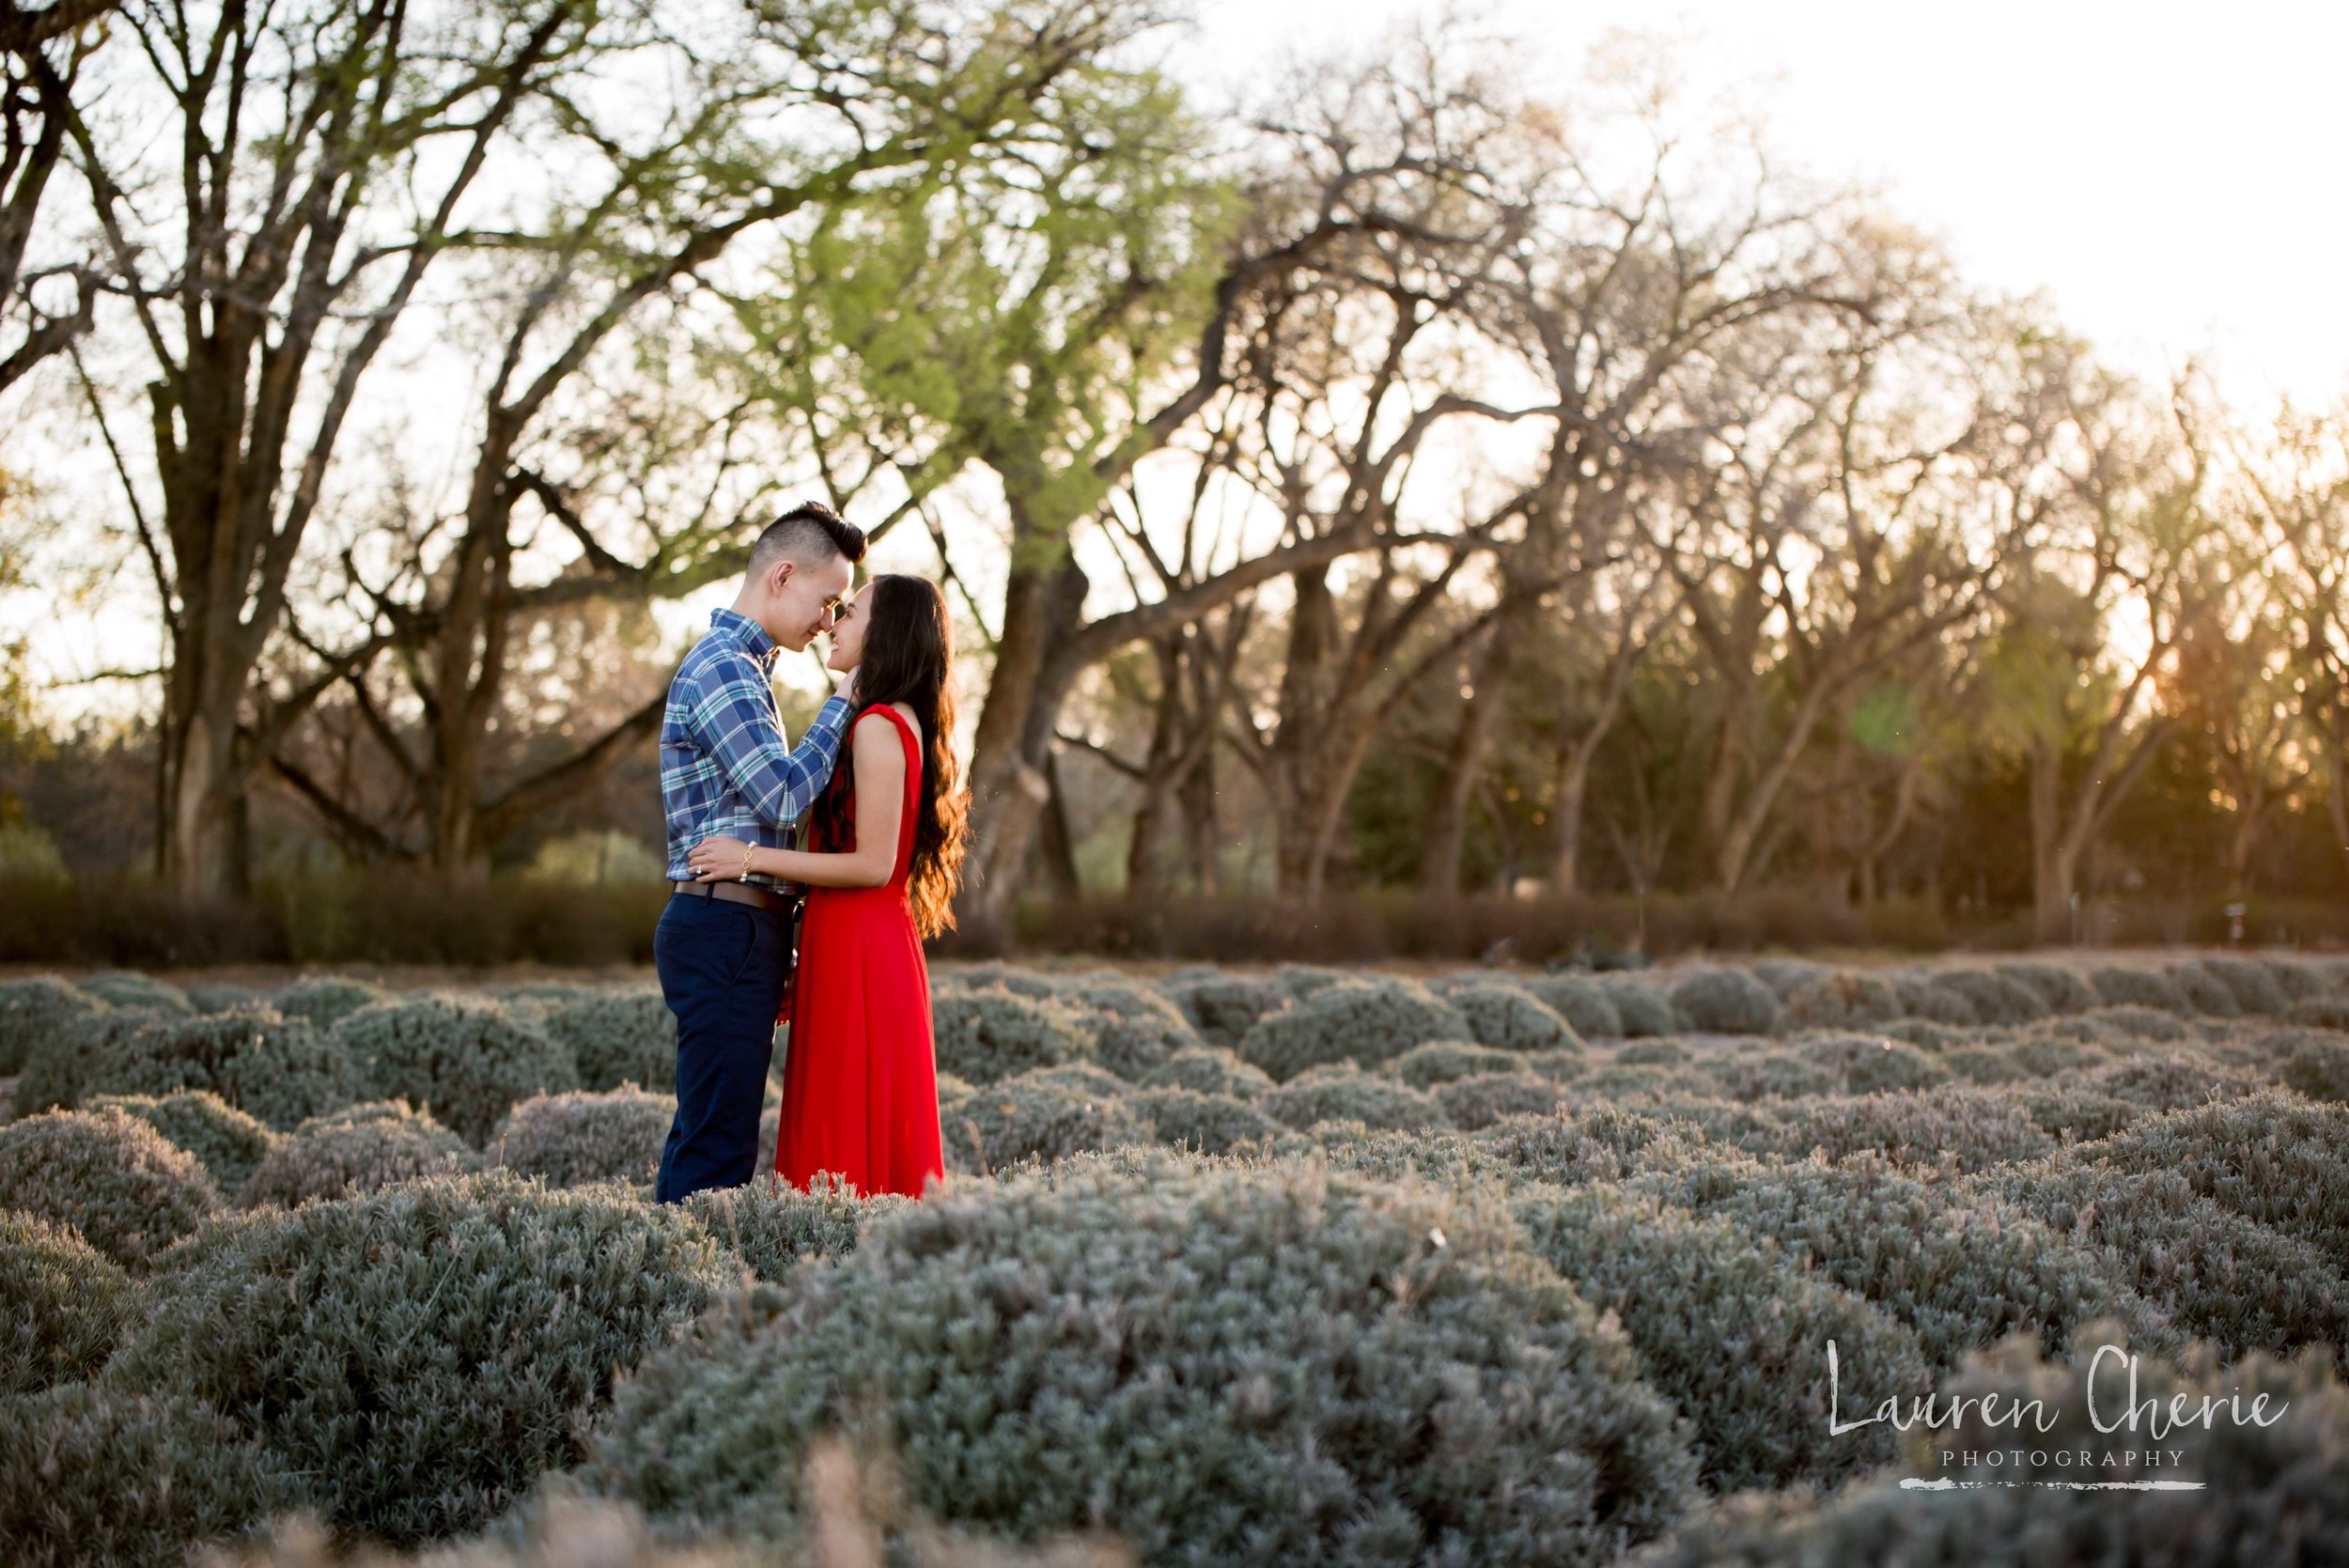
(1007, 790)
(1565, 821)
(1144, 872)
(1058, 843)
(2054, 861)
(1465, 758)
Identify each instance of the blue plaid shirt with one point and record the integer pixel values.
(723, 769)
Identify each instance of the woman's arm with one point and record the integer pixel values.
(879, 760)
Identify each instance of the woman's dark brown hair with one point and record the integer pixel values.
(910, 657)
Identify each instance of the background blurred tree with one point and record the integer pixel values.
(312, 165)
(2297, 484)
(41, 51)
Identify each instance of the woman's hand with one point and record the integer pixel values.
(718, 859)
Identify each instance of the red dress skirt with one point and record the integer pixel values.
(860, 1069)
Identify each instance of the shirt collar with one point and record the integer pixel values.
(748, 632)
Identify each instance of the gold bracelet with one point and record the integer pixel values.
(746, 862)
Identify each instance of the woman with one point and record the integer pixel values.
(860, 1075)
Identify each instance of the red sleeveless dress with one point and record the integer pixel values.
(860, 1070)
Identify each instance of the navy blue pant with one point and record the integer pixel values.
(722, 968)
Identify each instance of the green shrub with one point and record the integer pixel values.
(1728, 1330)
(2216, 1274)
(1995, 999)
(2045, 1055)
(1305, 1366)
(2058, 988)
(34, 1009)
(357, 1151)
(127, 989)
(2254, 984)
(2317, 1064)
(1642, 1082)
(280, 1070)
(992, 1033)
(1925, 1035)
(91, 1476)
(2070, 1113)
(1208, 1070)
(998, 976)
(327, 1000)
(466, 1061)
(2273, 1157)
(1768, 1074)
(57, 1063)
(1573, 1144)
(773, 1229)
(1209, 1123)
(573, 1138)
(1924, 1000)
(1510, 1019)
(1589, 1008)
(1653, 1054)
(1955, 1128)
(107, 1175)
(1785, 976)
(1480, 1100)
(2170, 1080)
(1440, 1062)
(422, 1354)
(1340, 1091)
(1027, 1117)
(2297, 981)
(1827, 1064)
(2118, 986)
(1558, 1067)
(1136, 1028)
(1983, 1063)
(1221, 1007)
(2264, 1494)
(2330, 1012)
(1725, 1002)
(2208, 994)
(2128, 1024)
(619, 1037)
(63, 1305)
(1839, 1002)
(220, 996)
(1962, 1275)
(227, 1142)
(1085, 1078)
(1295, 981)
(1367, 1022)
(1644, 1011)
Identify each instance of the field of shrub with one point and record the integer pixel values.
(1301, 1265)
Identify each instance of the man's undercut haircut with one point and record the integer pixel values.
(808, 533)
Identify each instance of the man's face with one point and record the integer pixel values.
(801, 599)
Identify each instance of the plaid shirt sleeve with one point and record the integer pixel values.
(735, 719)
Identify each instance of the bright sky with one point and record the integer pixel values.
(2171, 177)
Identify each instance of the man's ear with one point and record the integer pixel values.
(779, 574)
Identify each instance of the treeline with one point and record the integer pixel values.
(1422, 484)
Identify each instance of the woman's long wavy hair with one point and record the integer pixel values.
(910, 657)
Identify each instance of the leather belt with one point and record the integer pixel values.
(737, 893)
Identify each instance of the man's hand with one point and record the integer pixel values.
(847, 689)
(717, 858)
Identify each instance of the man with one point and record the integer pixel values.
(724, 949)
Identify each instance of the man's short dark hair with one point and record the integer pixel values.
(809, 532)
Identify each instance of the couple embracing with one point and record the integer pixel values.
(875, 785)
